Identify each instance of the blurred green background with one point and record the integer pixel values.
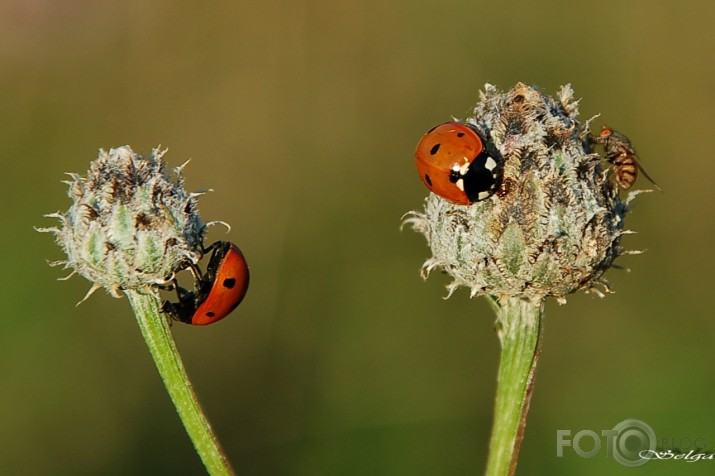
(303, 117)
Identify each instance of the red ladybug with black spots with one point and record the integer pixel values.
(218, 292)
(453, 161)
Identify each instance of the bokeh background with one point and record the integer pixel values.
(303, 117)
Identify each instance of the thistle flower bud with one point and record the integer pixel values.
(556, 223)
(130, 226)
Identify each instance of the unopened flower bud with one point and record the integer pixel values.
(130, 225)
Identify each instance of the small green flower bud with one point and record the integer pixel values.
(130, 226)
(556, 224)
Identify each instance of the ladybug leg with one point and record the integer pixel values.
(172, 310)
(195, 272)
(166, 287)
(173, 285)
(206, 249)
(182, 310)
(180, 292)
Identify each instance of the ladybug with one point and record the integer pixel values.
(622, 156)
(453, 162)
(217, 293)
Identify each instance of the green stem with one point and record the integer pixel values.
(519, 329)
(157, 333)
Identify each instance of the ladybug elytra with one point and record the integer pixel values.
(217, 292)
(454, 163)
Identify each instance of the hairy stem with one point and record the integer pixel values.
(158, 337)
(519, 329)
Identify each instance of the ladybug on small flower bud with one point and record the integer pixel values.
(217, 292)
(453, 161)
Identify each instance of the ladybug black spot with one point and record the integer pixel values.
(434, 149)
(210, 314)
(460, 134)
(428, 180)
(229, 283)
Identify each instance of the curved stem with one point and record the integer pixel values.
(519, 329)
(158, 337)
